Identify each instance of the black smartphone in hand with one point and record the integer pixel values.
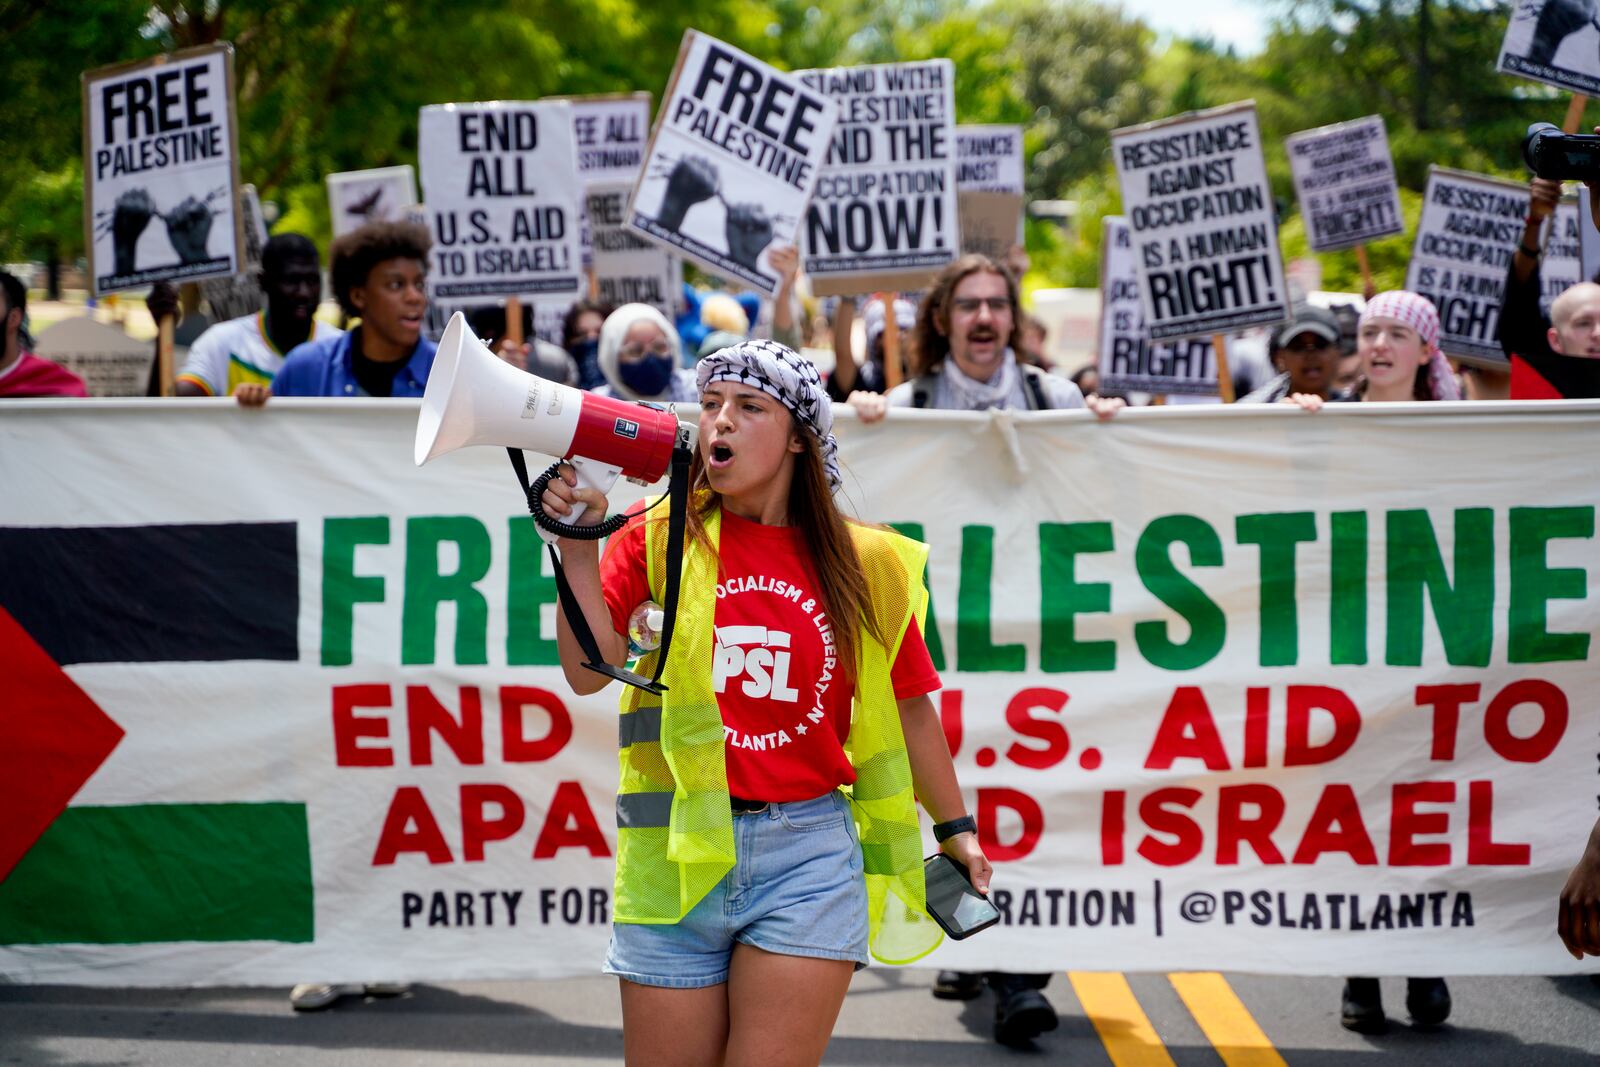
(958, 908)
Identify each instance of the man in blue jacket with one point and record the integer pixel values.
(379, 276)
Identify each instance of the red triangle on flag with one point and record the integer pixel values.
(53, 738)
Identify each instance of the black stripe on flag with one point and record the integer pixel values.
(154, 594)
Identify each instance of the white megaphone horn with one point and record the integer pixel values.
(475, 398)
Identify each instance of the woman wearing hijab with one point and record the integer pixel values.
(640, 358)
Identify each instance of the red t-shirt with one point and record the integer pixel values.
(785, 707)
(31, 376)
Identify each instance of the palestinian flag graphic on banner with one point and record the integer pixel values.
(73, 873)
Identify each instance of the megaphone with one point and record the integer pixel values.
(475, 398)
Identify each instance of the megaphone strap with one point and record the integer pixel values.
(678, 495)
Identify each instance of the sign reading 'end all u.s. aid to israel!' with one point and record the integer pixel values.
(1205, 236)
(733, 160)
(501, 187)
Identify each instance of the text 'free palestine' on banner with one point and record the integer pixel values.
(1226, 689)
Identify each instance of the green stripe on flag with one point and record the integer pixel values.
(163, 872)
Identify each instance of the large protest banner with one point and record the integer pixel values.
(628, 269)
(1344, 180)
(161, 142)
(1224, 691)
(503, 195)
(1553, 41)
(733, 159)
(1129, 361)
(357, 197)
(885, 213)
(1205, 235)
(1467, 234)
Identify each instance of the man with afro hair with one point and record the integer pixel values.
(379, 276)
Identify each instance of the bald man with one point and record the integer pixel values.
(1575, 322)
(1541, 368)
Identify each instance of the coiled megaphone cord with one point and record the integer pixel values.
(599, 530)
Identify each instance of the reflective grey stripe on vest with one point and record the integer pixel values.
(637, 811)
(641, 725)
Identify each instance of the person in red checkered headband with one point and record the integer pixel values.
(1398, 342)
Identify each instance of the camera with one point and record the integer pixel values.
(1559, 156)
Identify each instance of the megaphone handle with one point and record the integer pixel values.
(591, 475)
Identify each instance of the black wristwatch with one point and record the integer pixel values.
(944, 831)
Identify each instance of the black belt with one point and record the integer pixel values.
(741, 806)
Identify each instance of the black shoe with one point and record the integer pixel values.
(957, 985)
(1022, 1015)
(1361, 1007)
(1427, 1001)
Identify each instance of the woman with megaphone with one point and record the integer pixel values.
(767, 833)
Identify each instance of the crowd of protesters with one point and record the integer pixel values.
(965, 344)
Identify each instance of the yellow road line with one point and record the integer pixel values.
(1225, 1021)
(1123, 1026)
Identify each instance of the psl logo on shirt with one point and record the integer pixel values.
(755, 653)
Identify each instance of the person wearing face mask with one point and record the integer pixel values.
(639, 356)
(580, 336)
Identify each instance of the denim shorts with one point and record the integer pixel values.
(796, 889)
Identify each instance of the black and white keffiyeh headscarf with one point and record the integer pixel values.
(787, 377)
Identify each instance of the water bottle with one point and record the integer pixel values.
(644, 628)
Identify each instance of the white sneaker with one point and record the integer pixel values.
(314, 996)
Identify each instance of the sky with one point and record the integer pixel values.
(1241, 23)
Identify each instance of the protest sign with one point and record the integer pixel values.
(1561, 267)
(989, 159)
(109, 361)
(1344, 180)
(733, 159)
(1555, 42)
(1186, 746)
(991, 223)
(1588, 236)
(610, 133)
(1204, 231)
(628, 269)
(989, 193)
(160, 142)
(1468, 232)
(228, 298)
(885, 214)
(357, 197)
(503, 195)
(1129, 361)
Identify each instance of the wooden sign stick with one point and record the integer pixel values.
(513, 320)
(892, 373)
(1219, 348)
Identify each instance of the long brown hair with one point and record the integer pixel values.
(930, 340)
(826, 533)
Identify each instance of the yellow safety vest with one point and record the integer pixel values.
(674, 823)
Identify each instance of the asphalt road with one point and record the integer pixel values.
(888, 1019)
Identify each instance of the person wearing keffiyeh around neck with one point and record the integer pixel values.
(962, 357)
(798, 657)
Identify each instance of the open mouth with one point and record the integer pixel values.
(720, 456)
